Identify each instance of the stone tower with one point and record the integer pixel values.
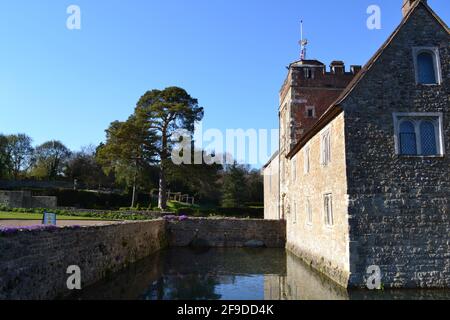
(306, 94)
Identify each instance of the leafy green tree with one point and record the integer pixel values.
(234, 186)
(19, 150)
(129, 153)
(5, 163)
(255, 187)
(83, 167)
(199, 180)
(163, 113)
(50, 160)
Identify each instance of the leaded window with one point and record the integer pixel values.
(427, 65)
(408, 144)
(419, 134)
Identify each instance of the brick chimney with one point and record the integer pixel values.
(407, 4)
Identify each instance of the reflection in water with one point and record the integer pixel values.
(230, 274)
(302, 283)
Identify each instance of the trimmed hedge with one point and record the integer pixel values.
(94, 200)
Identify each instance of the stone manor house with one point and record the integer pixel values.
(362, 176)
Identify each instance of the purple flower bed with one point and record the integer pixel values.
(13, 230)
(175, 218)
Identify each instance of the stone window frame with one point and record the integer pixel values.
(309, 212)
(416, 118)
(310, 108)
(437, 64)
(328, 216)
(325, 147)
(307, 159)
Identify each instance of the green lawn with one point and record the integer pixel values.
(35, 216)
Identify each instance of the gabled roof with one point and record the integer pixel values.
(274, 156)
(334, 110)
(375, 57)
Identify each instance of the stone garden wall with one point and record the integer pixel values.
(227, 233)
(33, 264)
(24, 199)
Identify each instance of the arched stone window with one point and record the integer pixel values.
(427, 66)
(419, 134)
(408, 145)
(426, 72)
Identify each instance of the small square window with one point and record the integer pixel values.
(310, 112)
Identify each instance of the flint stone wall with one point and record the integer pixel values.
(33, 264)
(227, 233)
(399, 206)
(24, 199)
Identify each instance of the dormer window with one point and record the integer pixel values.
(427, 65)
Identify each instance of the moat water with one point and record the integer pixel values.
(231, 274)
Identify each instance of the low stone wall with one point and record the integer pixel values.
(227, 233)
(33, 264)
(24, 199)
(44, 202)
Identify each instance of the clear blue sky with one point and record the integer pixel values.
(231, 55)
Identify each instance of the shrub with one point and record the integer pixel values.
(255, 204)
(257, 213)
(93, 200)
(187, 211)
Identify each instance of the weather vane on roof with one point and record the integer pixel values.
(303, 43)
